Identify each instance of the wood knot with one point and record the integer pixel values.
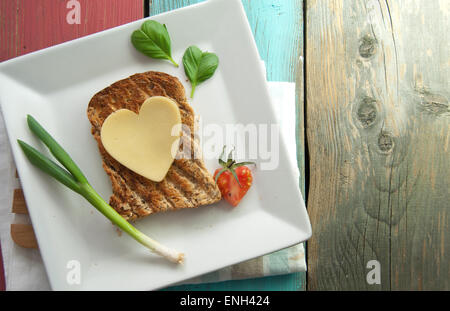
(431, 103)
(367, 46)
(435, 104)
(367, 111)
(385, 142)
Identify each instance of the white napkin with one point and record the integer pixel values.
(24, 268)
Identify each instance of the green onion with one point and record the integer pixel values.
(73, 178)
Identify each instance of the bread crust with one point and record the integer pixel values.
(188, 184)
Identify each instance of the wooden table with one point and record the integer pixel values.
(378, 125)
(374, 102)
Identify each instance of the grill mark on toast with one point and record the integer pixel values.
(122, 200)
(120, 93)
(173, 195)
(148, 192)
(159, 201)
(179, 177)
(181, 185)
(192, 171)
(128, 191)
(147, 86)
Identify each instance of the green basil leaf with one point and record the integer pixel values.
(199, 66)
(153, 40)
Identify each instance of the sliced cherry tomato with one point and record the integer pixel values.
(233, 179)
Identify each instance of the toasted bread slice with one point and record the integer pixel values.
(187, 184)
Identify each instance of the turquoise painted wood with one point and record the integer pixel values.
(288, 282)
(278, 30)
(277, 27)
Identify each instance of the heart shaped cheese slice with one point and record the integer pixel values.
(147, 142)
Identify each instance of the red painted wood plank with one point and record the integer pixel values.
(30, 25)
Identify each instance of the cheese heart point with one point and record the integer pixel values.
(147, 142)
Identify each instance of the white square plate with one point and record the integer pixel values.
(55, 86)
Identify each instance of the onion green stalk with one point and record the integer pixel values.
(73, 178)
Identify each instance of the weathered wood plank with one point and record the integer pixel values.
(19, 206)
(277, 26)
(23, 235)
(378, 122)
(27, 26)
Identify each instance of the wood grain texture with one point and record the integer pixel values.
(378, 122)
(19, 206)
(277, 26)
(27, 26)
(23, 235)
